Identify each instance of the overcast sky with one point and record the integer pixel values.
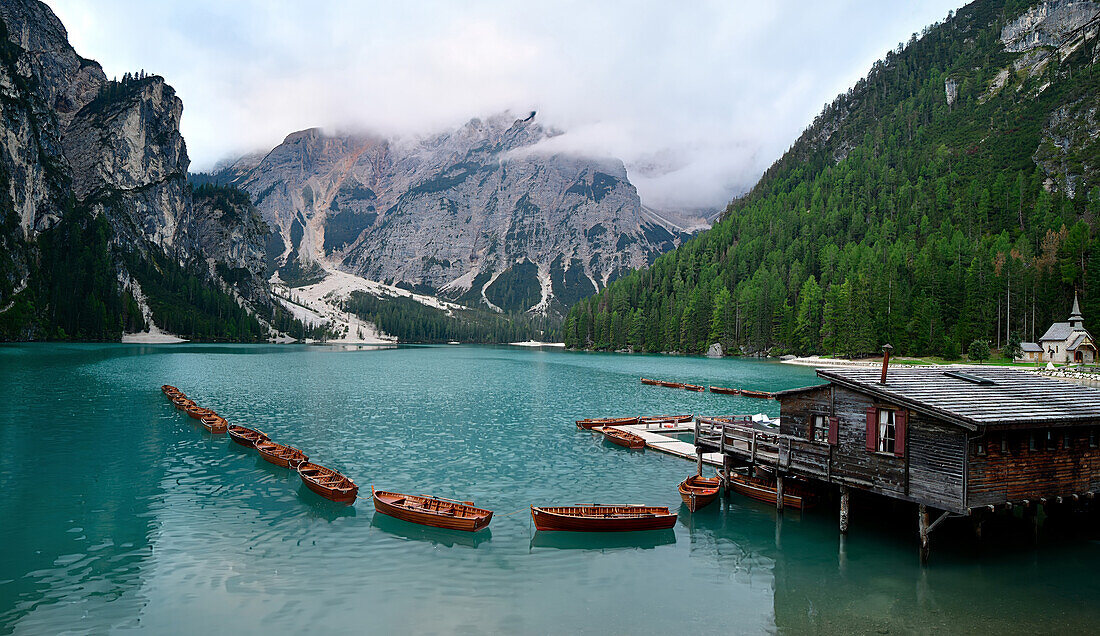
(697, 97)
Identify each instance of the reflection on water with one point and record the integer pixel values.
(435, 536)
(129, 514)
(600, 541)
(321, 508)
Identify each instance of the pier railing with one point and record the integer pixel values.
(737, 436)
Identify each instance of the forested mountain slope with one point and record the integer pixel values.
(950, 195)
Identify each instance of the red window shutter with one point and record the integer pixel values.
(901, 423)
(872, 429)
(834, 430)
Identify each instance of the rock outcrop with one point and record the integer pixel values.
(1049, 32)
(479, 213)
(76, 146)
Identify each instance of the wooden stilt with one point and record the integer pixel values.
(925, 536)
(844, 509)
(1031, 517)
(726, 473)
(698, 460)
(978, 520)
(779, 492)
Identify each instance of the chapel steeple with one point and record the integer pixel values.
(1075, 319)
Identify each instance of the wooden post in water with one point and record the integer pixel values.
(925, 535)
(844, 510)
(1031, 517)
(726, 473)
(779, 492)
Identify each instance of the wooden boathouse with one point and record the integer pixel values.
(955, 441)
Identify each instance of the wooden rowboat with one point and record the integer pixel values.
(170, 390)
(622, 438)
(328, 483)
(597, 518)
(795, 493)
(183, 403)
(432, 511)
(651, 382)
(756, 394)
(280, 455)
(671, 385)
(698, 491)
(724, 391)
(664, 419)
(199, 412)
(692, 387)
(215, 423)
(246, 436)
(590, 423)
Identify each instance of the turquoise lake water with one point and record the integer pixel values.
(119, 512)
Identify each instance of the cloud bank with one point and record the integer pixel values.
(697, 98)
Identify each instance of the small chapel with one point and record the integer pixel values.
(1063, 343)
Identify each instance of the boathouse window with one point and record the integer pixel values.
(1031, 445)
(1004, 443)
(1050, 440)
(1092, 438)
(819, 428)
(1065, 440)
(886, 431)
(979, 447)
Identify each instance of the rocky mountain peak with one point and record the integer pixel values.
(475, 213)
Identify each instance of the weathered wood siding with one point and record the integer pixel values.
(937, 459)
(930, 471)
(1019, 473)
(795, 411)
(851, 459)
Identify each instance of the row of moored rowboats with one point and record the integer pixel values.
(437, 512)
(322, 480)
(713, 389)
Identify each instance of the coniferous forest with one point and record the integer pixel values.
(950, 196)
(409, 320)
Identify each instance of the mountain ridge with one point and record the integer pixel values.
(453, 212)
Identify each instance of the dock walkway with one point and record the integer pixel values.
(661, 442)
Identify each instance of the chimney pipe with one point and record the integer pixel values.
(885, 362)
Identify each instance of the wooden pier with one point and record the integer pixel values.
(662, 443)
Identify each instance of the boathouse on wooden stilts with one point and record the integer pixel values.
(955, 441)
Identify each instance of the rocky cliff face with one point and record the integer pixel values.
(1047, 35)
(76, 147)
(476, 213)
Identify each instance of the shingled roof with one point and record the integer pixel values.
(1058, 331)
(974, 396)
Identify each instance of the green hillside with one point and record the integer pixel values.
(897, 216)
